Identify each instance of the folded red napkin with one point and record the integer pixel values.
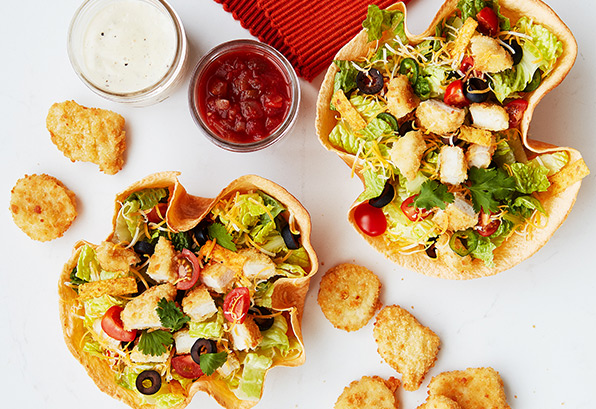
(308, 33)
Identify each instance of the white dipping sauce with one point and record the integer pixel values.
(129, 46)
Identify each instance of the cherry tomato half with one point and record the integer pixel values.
(467, 63)
(371, 220)
(188, 270)
(488, 22)
(487, 224)
(516, 109)
(412, 212)
(112, 325)
(158, 213)
(186, 367)
(454, 95)
(236, 304)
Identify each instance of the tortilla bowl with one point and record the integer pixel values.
(185, 212)
(557, 205)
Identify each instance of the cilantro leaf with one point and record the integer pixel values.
(170, 315)
(210, 362)
(155, 343)
(488, 187)
(218, 232)
(433, 194)
(181, 240)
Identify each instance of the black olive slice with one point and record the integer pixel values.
(384, 198)
(517, 53)
(292, 240)
(201, 233)
(144, 248)
(148, 382)
(370, 82)
(476, 90)
(200, 347)
(431, 250)
(406, 127)
(264, 323)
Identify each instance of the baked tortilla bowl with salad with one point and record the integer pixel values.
(436, 127)
(190, 294)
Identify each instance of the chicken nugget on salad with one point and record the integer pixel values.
(349, 296)
(369, 393)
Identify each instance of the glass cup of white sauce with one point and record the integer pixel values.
(131, 51)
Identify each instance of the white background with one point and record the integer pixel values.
(535, 324)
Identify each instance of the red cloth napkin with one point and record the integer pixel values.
(308, 33)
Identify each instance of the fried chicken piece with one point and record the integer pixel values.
(473, 388)
(439, 402)
(369, 393)
(140, 312)
(88, 134)
(401, 99)
(406, 153)
(349, 296)
(42, 207)
(114, 258)
(406, 345)
(438, 117)
(489, 116)
(488, 55)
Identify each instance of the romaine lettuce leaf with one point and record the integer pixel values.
(345, 78)
(436, 77)
(525, 206)
(377, 21)
(399, 227)
(275, 337)
(530, 177)
(148, 198)
(484, 251)
(87, 265)
(374, 182)
(299, 257)
(554, 162)
(368, 107)
(211, 328)
(263, 292)
(290, 270)
(541, 52)
(253, 375)
(96, 307)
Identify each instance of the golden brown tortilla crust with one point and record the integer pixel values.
(288, 294)
(517, 248)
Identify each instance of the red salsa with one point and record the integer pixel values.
(243, 96)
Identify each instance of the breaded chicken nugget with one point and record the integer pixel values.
(488, 55)
(369, 393)
(401, 99)
(349, 296)
(114, 257)
(474, 388)
(406, 153)
(437, 117)
(406, 345)
(42, 207)
(88, 134)
(439, 402)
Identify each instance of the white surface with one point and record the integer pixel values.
(536, 323)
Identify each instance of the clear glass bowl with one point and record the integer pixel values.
(162, 83)
(270, 54)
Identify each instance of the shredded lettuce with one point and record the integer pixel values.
(436, 76)
(299, 257)
(290, 270)
(263, 293)
(87, 265)
(253, 375)
(211, 328)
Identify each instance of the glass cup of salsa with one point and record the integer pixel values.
(244, 94)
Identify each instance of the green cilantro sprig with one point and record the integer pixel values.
(210, 362)
(433, 194)
(488, 187)
(155, 343)
(218, 232)
(170, 315)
